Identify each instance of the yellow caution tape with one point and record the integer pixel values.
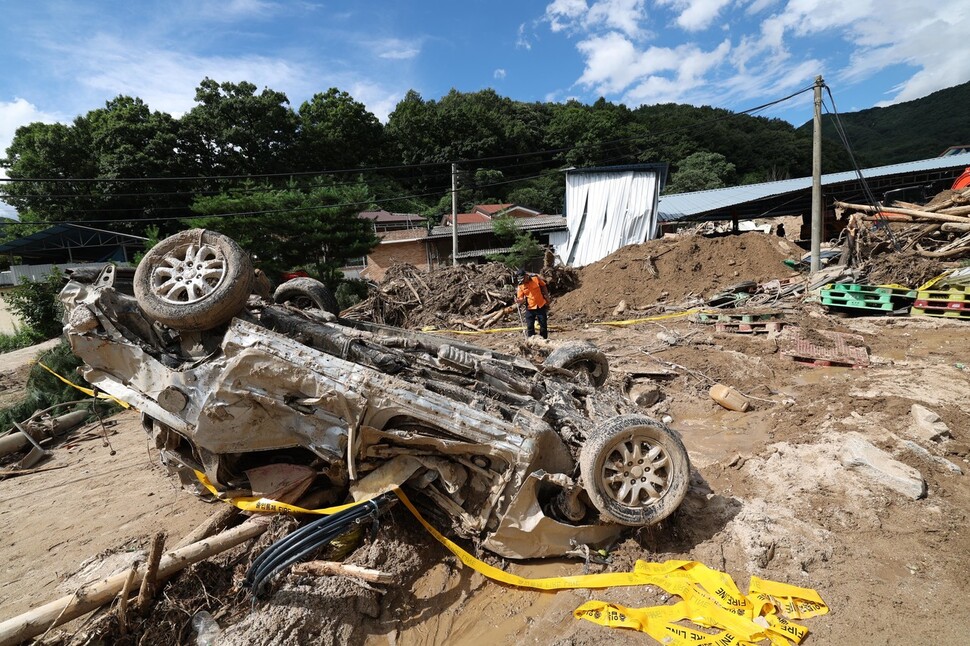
(710, 598)
(266, 505)
(86, 391)
(659, 317)
(932, 281)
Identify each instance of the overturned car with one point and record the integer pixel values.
(231, 382)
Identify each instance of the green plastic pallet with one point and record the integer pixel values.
(859, 304)
(858, 296)
(869, 289)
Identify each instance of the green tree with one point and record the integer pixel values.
(41, 151)
(235, 131)
(701, 171)
(316, 229)
(337, 132)
(524, 248)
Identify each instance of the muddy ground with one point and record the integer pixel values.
(771, 496)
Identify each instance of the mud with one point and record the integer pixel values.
(769, 494)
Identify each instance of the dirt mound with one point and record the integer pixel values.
(673, 269)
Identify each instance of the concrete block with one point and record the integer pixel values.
(926, 455)
(862, 456)
(927, 425)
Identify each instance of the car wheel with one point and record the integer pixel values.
(583, 358)
(635, 470)
(307, 293)
(194, 280)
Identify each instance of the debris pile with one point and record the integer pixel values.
(469, 296)
(938, 230)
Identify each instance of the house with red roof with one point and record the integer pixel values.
(426, 247)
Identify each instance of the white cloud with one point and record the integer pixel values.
(623, 15)
(772, 48)
(613, 64)
(695, 15)
(378, 99)
(575, 15)
(166, 79)
(397, 49)
(522, 41)
(562, 14)
(499, 73)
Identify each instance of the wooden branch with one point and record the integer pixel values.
(210, 526)
(36, 621)
(926, 215)
(10, 473)
(333, 568)
(952, 227)
(951, 253)
(147, 591)
(123, 601)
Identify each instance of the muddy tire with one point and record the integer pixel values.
(194, 280)
(635, 470)
(307, 293)
(581, 357)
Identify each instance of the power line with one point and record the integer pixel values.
(371, 169)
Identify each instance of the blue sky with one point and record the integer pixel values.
(62, 58)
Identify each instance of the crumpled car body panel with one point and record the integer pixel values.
(248, 393)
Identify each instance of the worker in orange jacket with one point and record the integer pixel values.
(533, 293)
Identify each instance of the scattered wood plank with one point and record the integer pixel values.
(55, 613)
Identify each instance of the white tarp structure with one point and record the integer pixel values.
(609, 208)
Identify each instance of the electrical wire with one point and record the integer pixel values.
(310, 538)
(858, 171)
(430, 193)
(370, 169)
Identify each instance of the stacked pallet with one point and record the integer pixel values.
(951, 301)
(851, 297)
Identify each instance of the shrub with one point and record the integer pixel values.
(22, 338)
(350, 292)
(37, 305)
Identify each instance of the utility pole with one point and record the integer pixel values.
(817, 177)
(454, 214)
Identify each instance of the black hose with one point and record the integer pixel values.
(310, 538)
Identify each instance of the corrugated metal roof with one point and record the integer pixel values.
(682, 205)
(475, 253)
(549, 222)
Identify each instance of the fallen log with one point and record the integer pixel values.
(926, 215)
(953, 227)
(92, 596)
(209, 526)
(951, 253)
(333, 568)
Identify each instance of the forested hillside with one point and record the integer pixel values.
(904, 132)
(241, 155)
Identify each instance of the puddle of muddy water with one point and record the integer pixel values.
(719, 435)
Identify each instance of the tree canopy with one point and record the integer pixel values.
(242, 150)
